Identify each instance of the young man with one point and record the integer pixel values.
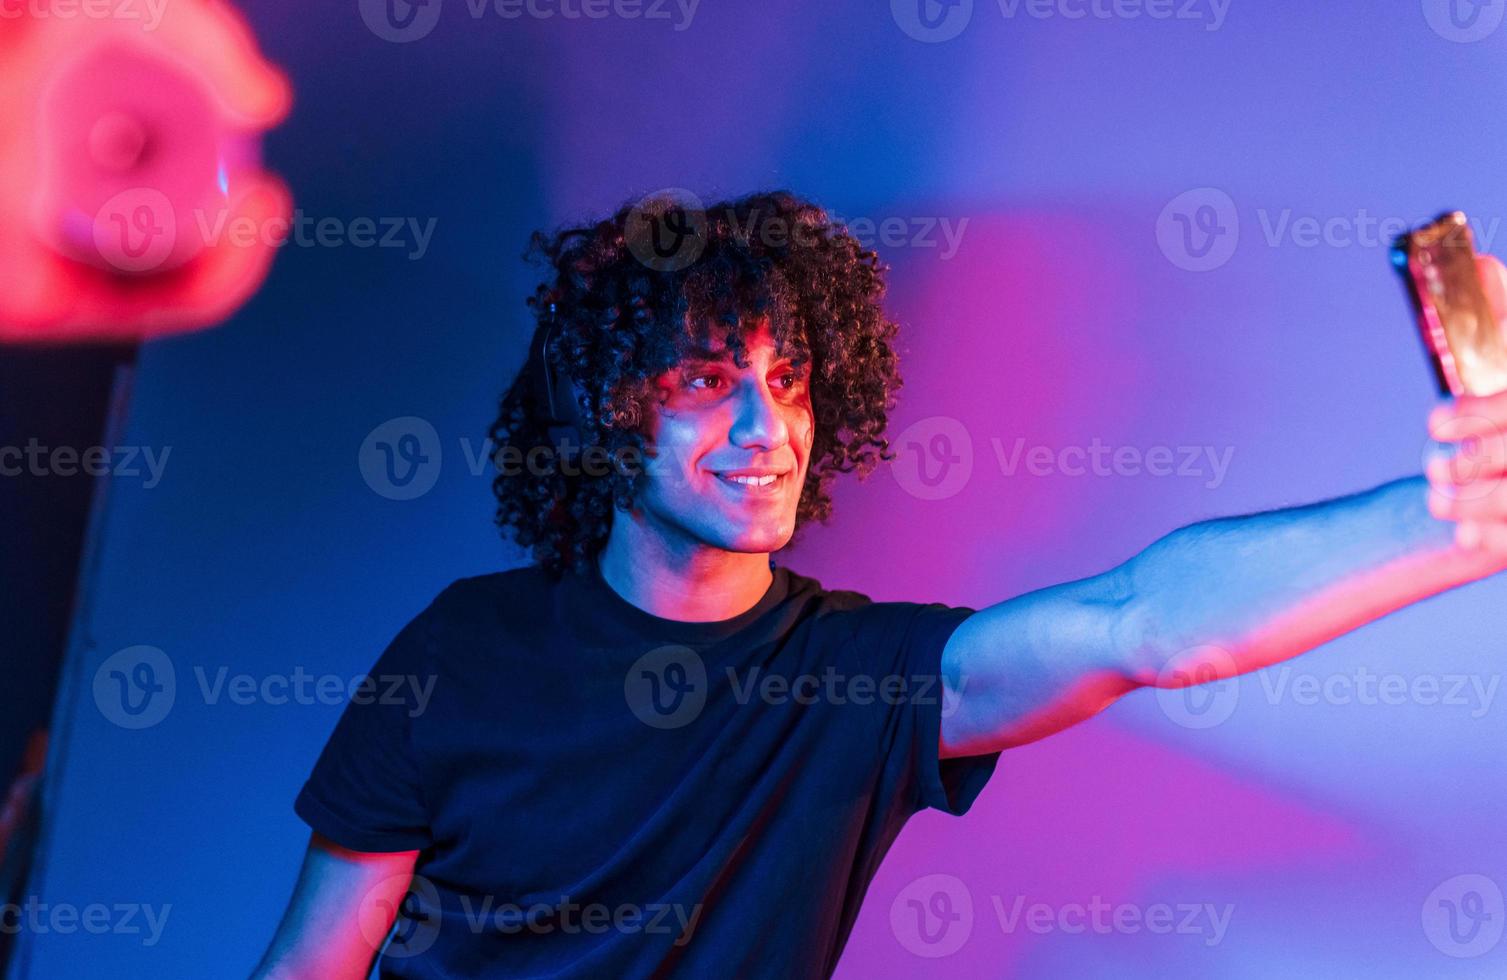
(653, 752)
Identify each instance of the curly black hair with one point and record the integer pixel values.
(624, 313)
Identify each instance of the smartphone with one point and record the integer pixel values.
(1463, 338)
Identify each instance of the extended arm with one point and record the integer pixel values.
(1226, 596)
(1208, 601)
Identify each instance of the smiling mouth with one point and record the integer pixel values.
(767, 484)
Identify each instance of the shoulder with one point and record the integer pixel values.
(863, 617)
(475, 620)
(509, 581)
(841, 611)
(806, 589)
(510, 584)
(512, 591)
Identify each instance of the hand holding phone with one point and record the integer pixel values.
(1459, 301)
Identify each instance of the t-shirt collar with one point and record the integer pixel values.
(604, 603)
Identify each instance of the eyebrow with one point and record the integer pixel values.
(700, 354)
(705, 355)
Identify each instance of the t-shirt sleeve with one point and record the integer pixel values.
(365, 791)
(914, 635)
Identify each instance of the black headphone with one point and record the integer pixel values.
(554, 389)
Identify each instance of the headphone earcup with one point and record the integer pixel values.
(554, 390)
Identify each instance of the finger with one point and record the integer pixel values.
(1472, 416)
(1472, 536)
(1485, 507)
(1493, 537)
(1476, 459)
(1494, 281)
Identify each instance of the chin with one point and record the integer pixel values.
(757, 540)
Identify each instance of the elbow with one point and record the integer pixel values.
(1135, 650)
(1155, 647)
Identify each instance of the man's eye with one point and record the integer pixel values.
(711, 381)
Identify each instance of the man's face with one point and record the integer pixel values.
(716, 422)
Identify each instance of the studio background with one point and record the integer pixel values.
(1069, 312)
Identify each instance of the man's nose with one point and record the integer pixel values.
(759, 423)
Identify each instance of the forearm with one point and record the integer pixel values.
(1230, 595)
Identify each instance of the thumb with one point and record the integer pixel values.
(1494, 280)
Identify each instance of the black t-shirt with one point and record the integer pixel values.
(596, 791)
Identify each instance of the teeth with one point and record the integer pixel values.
(752, 481)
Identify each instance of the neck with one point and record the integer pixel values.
(679, 579)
